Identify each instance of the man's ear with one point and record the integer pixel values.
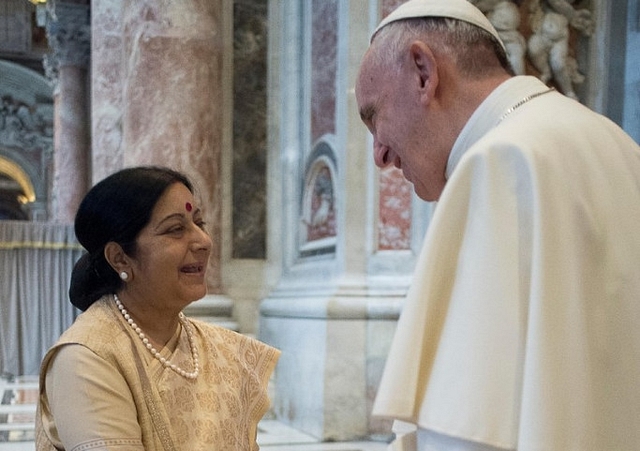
(426, 66)
(116, 257)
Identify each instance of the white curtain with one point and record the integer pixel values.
(36, 260)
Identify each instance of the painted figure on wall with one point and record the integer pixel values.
(321, 218)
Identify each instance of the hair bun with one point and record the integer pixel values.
(82, 279)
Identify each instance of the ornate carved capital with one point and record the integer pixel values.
(69, 33)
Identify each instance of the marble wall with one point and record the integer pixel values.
(325, 313)
(107, 93)
(340, 374)
(324, 50)
(249, 155)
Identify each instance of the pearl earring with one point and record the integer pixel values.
(124, 275)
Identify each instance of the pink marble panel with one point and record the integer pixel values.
(323, 67)
(394, 222)
(107, 86)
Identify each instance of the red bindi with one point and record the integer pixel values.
(188, 206)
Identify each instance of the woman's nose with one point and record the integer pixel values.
(201, 239)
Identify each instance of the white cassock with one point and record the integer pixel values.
(522, 326)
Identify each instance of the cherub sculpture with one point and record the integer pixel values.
(505, 17)
(548, 46)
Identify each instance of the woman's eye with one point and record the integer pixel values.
(176, 229)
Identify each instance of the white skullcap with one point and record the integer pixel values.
(454, 9)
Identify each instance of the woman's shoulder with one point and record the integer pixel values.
(96, 327)
(95, 332)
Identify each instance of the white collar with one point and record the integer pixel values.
(488, 114)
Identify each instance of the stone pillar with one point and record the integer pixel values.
(107, 87)
(68, 32)
(157, 99)
(173, 83)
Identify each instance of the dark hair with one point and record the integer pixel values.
(116, 209)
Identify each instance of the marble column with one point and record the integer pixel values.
(107, 81)
(157, 90)
(68, 32)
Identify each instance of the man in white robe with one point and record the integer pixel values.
(521, 330)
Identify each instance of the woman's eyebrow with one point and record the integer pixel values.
(169, 217)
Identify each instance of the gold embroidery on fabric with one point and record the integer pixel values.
(220, 410)
(104, 443)
(156, 416)
(224, 405)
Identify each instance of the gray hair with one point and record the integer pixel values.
(475, 50)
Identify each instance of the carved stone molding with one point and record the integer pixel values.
(28, 127)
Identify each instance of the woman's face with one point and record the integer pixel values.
(172, 252)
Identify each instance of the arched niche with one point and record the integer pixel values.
(26, 137)
(319, 205)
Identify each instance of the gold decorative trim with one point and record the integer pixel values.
(14, 171)
(39, 245)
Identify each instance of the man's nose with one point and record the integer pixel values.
(381, 155)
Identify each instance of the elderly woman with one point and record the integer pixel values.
(133, 372)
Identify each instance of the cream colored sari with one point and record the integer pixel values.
(101, 389)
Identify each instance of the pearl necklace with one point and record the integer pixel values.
(166, 363)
